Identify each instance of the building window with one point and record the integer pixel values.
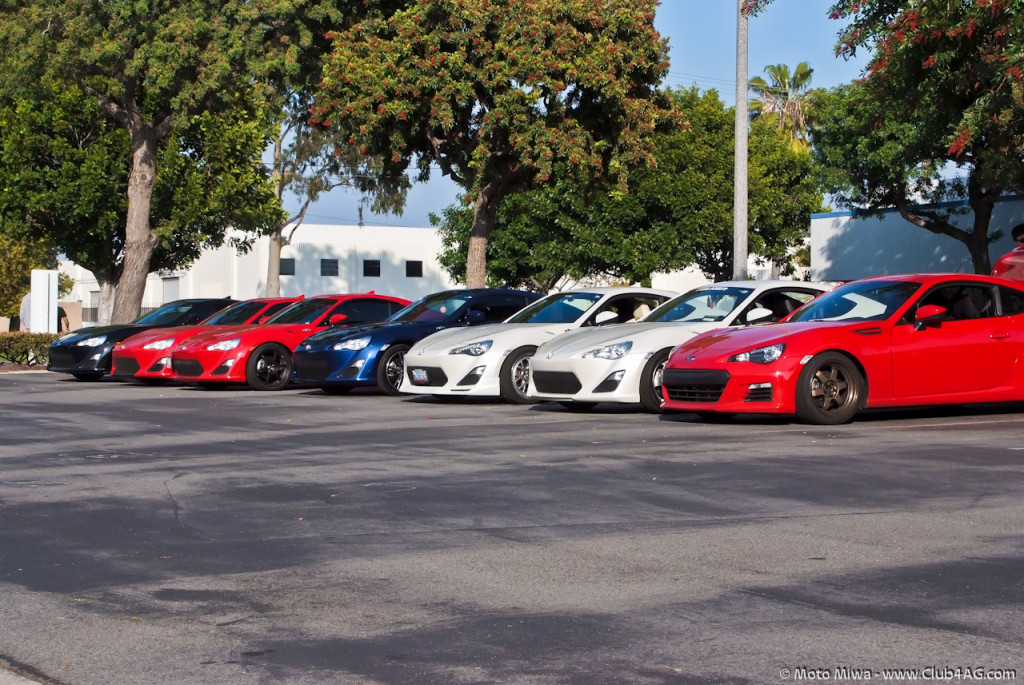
(371, 268)
(328, 267)
(414, 269)
(287, 267)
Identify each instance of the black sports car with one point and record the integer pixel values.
(86, 353)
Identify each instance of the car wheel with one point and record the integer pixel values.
(269, 367)
(88, 375)
(336, 389)
(390, 367)
(650, 382)
(828, 390)
(514, 376)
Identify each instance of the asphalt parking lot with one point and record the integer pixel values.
(176, 535)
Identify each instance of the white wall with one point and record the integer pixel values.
(844, 248)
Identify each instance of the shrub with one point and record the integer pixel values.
(20, 347)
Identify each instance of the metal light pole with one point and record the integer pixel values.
(739, 200)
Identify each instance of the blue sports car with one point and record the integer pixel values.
(339, 360)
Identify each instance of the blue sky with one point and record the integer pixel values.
(702, 40)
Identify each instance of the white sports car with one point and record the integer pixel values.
(624, 363)
(494, 360)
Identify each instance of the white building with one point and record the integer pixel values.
(392, 260)
(322, 258)
(844, 248)
(397, 261)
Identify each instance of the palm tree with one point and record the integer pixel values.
(784, 97)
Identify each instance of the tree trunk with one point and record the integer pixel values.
(274, 265)
(106, 303)
(485, 210)
(977, 239)
(140, 239)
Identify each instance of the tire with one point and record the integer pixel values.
(514, 376)
(390, 368)
(829, 390)
(650, 382)
(336, 389)
(88, 375)
(269, 367)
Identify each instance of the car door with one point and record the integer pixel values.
(970, 349)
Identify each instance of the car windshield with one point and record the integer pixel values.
(432, 307)
(556, 308)
(707, 303)
(303, 311)
(235, 314)
(170, 314)
(858, 301)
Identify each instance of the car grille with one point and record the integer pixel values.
(556, 382)
(187, 367)
(703, 387)
(311, 369)
(125, 366)
(61, 357)
(436, 378)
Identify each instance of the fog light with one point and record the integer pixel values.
(611, 382)
(760, 386)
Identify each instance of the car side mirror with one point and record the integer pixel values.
(264, 319)
(759, 315)
(928, 315)
(337, 319)
(605, 317)
(474, 317)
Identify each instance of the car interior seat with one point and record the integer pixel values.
(639, 311)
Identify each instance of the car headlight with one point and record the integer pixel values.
(473, 349)
(92, 342)
(224, 345)
(353, 343)
(616, 351)
(762, 355)
(159, 344)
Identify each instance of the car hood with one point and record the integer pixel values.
(533, 333)
(179, 333)
(729, 341)
(113, 332)
(378, 331)
(654, 334)
(217, 333)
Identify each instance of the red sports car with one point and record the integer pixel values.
(262, 355)
(890, 341)
(146, 356)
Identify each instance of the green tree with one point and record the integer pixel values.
(939, 116)
(66, 181)
(18, 256)
(499, 92)
(784, 99)
(676, 214)
(159, 69)
(310, 161)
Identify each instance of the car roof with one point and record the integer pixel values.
(613, 289)
(768, 283)
(930, 278)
